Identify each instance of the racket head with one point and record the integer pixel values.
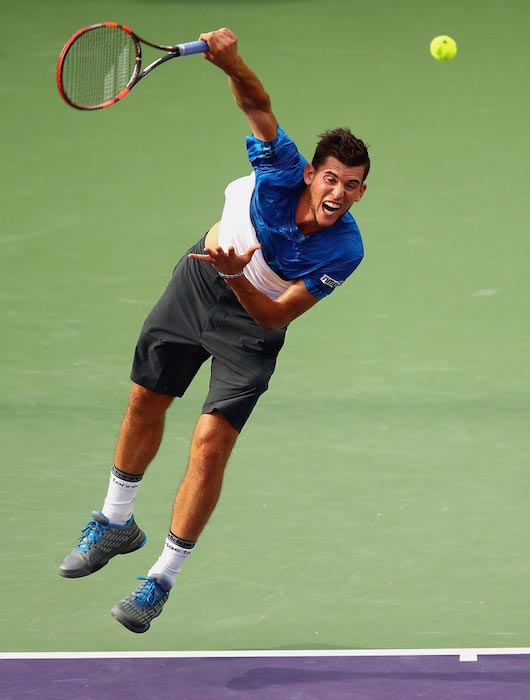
(98, 65)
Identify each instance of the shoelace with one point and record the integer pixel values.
(90, 535)
(148, 594)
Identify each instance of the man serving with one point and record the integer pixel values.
(285, 241)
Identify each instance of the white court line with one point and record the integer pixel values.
(467, 654)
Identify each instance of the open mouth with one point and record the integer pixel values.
(330, 207)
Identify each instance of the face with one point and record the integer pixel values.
(332, 189)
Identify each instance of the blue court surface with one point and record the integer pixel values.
(466, 674)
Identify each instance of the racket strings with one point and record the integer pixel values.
(100, 63)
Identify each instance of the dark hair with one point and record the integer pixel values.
(344, 146)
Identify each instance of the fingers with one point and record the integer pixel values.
(197, 256)
(209, 253)
(228, 262)
(214, 252)
(247, 256)
(222, 47)
(220, 252)
(219, 38)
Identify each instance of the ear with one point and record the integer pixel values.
(362, 190)
(309, 174)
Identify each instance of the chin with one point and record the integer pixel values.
(328, 222)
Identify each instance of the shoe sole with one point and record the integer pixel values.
(122, 619)
(80, 573)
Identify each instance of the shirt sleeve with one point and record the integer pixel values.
(322, 282)
(280, 155)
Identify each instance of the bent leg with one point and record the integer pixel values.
(141, 430)
(113, 530)
(212, 442)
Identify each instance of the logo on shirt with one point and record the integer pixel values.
(325, 279)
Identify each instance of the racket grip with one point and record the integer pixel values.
(192, 47)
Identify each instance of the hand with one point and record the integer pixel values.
(226, 262)
(222, 52)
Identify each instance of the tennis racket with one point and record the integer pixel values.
(100, 64)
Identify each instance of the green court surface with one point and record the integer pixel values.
(378, 498)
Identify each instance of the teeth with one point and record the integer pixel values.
(330, 205)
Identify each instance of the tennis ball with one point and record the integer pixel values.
(443, 48)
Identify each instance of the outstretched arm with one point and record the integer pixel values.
(268, 313)
(249, 93)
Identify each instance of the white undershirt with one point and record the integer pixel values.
(237, 230)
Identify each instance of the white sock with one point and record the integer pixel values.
(173, 556)
(118, 505)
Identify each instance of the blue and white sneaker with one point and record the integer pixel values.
(100, 541)
(138, 610)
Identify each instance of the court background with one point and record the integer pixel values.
(378, 497)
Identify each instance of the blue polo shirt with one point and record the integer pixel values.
(323, 259)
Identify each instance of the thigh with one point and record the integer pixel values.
(243, 360)
(169, 351)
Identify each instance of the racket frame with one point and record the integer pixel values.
(171, 52)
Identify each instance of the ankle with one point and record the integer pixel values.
(172, 558)
(121, 493)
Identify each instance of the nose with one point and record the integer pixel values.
(338, 190)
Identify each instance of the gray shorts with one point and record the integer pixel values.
(197, 317)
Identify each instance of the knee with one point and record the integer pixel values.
(212, 444)
(208, 454)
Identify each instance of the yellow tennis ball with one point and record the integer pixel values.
(443, 48)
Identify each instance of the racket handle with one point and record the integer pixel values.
(192, 47)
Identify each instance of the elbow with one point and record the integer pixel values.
(271, 323)
(254, 103)
(271, 326)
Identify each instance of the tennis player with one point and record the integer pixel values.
(285, 241)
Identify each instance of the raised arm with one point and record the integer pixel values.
(253, 100)
(249, 93)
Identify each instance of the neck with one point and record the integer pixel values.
(305, 219)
